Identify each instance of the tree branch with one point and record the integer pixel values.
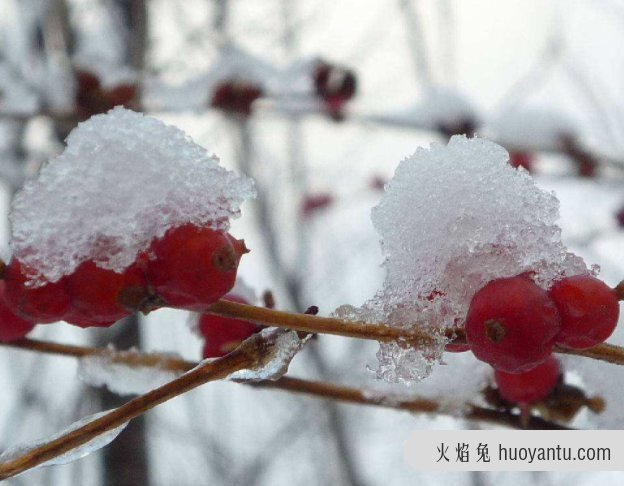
(245, 356)
(319, 325)
(295, 385)
(609, 353)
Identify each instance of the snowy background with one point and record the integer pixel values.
(526, 71)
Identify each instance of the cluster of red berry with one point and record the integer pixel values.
(335, 86)
(190, 267)
(235, 96)
(513, 325)
(222, 334)
(92, 98)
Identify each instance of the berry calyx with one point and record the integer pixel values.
(530, 386)
(43, 304)
(512, 324)
(191, 267)
(12, 326)
(223, 334)
(589, 311)
(100, 297)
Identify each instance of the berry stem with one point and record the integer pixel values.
(296, 385)
(609, 353)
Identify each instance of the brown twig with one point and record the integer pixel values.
(321, 325)
(327, 325)
(295, 385)
(247, 355)
(419, 405)
(129, 358)
(602, 352)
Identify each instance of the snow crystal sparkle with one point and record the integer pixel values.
(123, 180)
(452, 219)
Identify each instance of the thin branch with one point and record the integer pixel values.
(319, 325)
(312, 388)
(609, 353)
(416, 40)
(129, 358)
(419, 405)
(245, 356)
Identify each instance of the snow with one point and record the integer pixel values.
(79, 452)
(472, 218)
(438, 106)
(123, 180)
(286, 344)
(123, 379)
(233, 63)
(534, 127)
(456, 383)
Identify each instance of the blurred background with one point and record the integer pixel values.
(318, 101)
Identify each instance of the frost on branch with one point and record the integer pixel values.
(121, 378)
(123, 180)
(79, 452)
(452, 219)
(284, 345)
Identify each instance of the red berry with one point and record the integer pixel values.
(91, 98)
(235, 96)
(530, 386)
(12, 327)
(192, 267)
(335, 86)
(589, 311)
(100, 297)
(44, 304)
(122, 94)
(223, 334)
(512, 324)
(521, 159)
(619, 216)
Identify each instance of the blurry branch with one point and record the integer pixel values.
(399, 123)
(366, 119)
(26, 117)
(313, 388)
(447, 27)
(247, 355)
(128, 358)
(418, 405)
(416, 39)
